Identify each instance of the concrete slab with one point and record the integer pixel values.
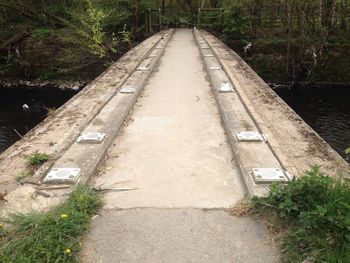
(236, 118)
(176, 235)
(108, 121)
(174, 149)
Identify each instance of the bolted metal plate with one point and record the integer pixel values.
(225, 87)
(143, 68)
(62, 175)
(127, 89)
(250, 136)
(269, 175)
(91, 137)
(215, 68)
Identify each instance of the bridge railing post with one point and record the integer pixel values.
(160, 19)
(150, 20)
(199, 18)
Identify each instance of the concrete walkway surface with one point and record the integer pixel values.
(174, 151)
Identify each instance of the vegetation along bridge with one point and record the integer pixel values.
(176, 131)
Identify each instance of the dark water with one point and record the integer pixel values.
(326, 110)
(12, 115)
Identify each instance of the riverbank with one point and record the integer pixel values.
(270, 59)
(38, 84)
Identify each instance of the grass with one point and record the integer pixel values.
(52, 236)
(23, 175)
(315, 212)
(42, 32)
(37, 158)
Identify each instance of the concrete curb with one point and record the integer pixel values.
(296, 144)
(236, 118)
(87, 157)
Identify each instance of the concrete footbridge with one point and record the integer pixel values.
(177, 131)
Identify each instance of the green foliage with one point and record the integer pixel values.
(23, 175)
(37, 158)
(52, 236)
(46, 74)
(42, 32)
(347, 151)
(90, 28)
(316, 210)
(236, 23)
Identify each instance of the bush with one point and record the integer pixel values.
(236, 23)
(52, 236)
(42, 32)
(37, 158)
(316, 210)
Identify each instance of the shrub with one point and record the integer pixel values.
(37, 158)
(52, 236)
(236, 23)
(42, 32)
(316, 210)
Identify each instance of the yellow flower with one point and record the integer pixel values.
(64, 216)
(67, 251)
(1, 225)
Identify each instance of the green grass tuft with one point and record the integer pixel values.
(315, 209)
(37, 158)
(52, 236)
(23, 175)
(42, 32)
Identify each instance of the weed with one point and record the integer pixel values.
(347, 153)
(51, 112)
(41, 33)
(37, 158)
(23, 175)
(316, 210)
(52, 236)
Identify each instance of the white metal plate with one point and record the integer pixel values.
(143, 68)
(215, 68)
(205, 47)
(62, 175)
(127, 89)
(225, 87)
(208, 55)
(91, 137)
(269, 175)
(249, 136)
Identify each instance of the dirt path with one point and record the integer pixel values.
(174, 151)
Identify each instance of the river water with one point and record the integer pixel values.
(14, 118)
(326, 110)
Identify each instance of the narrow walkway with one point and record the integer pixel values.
(174, 151)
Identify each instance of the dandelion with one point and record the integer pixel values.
(64, 216)
(67, 251)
